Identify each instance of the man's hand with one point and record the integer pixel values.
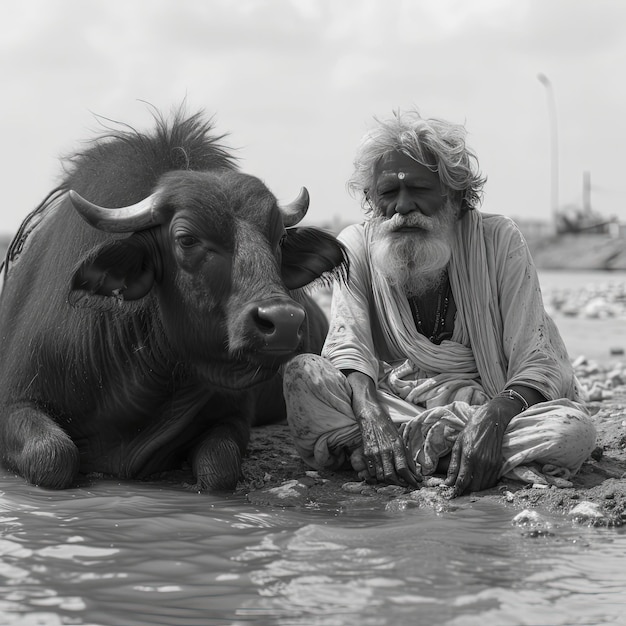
(476, 457)
(385, 455)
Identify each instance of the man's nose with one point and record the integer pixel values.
(404, 203)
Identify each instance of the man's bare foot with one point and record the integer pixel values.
(357, 460)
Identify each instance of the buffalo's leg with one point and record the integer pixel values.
(37, 448)
(216, 460)
(269, 403)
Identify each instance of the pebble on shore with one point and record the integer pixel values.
(591, 301)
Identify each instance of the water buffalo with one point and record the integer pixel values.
(135, 338)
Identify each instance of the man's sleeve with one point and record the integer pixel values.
(349, 345)
(536, 353)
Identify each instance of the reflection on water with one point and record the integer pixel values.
(469, 567)
(141, 553)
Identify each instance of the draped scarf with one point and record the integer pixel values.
(477, 313)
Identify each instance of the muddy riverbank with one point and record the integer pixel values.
(274, 475)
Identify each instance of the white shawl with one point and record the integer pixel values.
(502, 334)
(471, 289)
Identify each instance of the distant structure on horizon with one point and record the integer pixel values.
(573, 219)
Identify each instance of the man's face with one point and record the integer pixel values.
(413, 224)
(401, 185)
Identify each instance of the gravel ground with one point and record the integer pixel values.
(274, 475)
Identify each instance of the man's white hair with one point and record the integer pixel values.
(434, 143)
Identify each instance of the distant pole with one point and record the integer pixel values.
(587, 192)
(554, 146)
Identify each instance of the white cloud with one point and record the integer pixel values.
(297, 82)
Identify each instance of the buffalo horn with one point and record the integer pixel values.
(294, 211)
(123, 220)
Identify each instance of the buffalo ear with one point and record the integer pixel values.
(309, 254)
(118, 270)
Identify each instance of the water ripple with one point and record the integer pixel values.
(144, 553)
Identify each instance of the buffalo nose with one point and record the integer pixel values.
(280, 325)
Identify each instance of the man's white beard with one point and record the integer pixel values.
(413, 260)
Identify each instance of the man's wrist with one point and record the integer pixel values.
(511, 394)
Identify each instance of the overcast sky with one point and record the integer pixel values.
(295, 83)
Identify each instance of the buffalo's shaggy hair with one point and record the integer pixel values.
(434, 143)
(134, 162)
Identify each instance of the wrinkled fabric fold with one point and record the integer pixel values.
(400, 332)
(502, 337)
(471, 284)
(548, 441)
(554, 437)
(502, 334)
(403, 381)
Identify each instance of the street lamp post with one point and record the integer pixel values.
(554, 146)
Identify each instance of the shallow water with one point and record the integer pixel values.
(600, 339)
(112, 553)
(154, 553)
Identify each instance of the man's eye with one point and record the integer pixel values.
(187, 241)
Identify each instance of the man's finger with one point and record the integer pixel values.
(453, 467)
(379, 470)
(464, 477)
(370, 465)
(462, 482)
(389, 470)
(406, 468)
(409, 477)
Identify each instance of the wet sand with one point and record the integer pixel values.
(274, 475)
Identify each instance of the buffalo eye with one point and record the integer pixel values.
(187, 241)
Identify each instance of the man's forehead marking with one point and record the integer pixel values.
(399, 165)
(390, 174)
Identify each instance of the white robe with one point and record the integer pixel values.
(502, 333)
(502, 337)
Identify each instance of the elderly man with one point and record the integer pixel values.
(440, 356)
